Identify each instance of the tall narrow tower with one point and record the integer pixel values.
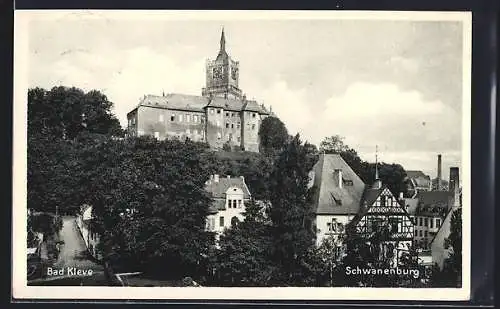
(438, 180)
(222, 74)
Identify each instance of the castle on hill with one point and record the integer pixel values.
(221, 115)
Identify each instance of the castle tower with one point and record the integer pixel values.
(222, 74)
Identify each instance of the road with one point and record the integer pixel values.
(73, 257)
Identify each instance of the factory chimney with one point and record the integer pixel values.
(438, 180)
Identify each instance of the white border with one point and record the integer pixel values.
(19, 288)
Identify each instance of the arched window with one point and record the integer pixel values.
(234, 221)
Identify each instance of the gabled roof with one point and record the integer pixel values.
(176, 101)
(219, 188)
(327, 190)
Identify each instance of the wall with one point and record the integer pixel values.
(166, 123)
(215, 127)
(430, 231)
(322, 228)
(250, 131)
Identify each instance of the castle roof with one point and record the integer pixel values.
(177, 101)
(328, 193)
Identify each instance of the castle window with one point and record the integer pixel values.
(172, 118)
(218, 111)
(253, 115)
(161, 118)
(227, 125)
(227, 114)
(253, 126)
(180, 118)
(232, 125)
(232, 114)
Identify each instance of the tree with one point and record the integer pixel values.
(452, 267)
(291, 212)
(65, 112)
(244, 257)
(333, 144)
(273, 135)
(150, 202)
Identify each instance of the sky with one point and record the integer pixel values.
(392, 83)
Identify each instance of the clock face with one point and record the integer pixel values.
(217, 72)
(234, 73)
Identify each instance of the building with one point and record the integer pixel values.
(417, 181)
(221, 115)
(337, 195)
(90, 237)
(229, 197)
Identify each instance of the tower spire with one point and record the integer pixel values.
(222, 41)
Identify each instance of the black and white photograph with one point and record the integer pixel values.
(288, 155)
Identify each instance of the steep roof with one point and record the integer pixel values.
(327, 188)
(219, 188)
(433, 203)
(195, 103)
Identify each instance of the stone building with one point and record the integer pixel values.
(221, 115)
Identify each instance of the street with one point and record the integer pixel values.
(73, 259)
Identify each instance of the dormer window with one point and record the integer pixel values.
(347, 182)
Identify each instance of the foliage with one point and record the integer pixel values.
(45, 223)
(64, 112)
(243, 258)
(273, 135)
(150, 202)
(291, 212)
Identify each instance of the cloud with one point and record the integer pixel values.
(407, 64)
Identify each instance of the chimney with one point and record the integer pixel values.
(454, 186)
(216, 178)
(338, 174)
(439, 173)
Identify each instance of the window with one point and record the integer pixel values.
(253, 126)
(188, 118)
(232, 114)
(420, 221)
(218, 111)
(172, 118)
(234, 203)
(232, 125)
(180, 118)
(426, 234)
(426, 222)
(161, 118)
(347, 182)
(438, 222)
(253, 115)
(389, 201)
(329, 226)
(227, 125)
(133, 120)
(195, 118)
(382, 200)
(221, 221)
(157, 135)
(238, 125)
(227, 114)
(228, 203)
(239, 203)
(234, 221)
(420, 233)
(431, 223)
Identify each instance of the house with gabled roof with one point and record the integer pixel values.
(229, 196)
(337, 196)
(418, 181)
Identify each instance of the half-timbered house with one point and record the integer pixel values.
(383, 218)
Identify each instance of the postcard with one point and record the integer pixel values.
(241, 155)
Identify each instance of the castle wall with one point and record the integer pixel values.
(215, 127)
(250, 131)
